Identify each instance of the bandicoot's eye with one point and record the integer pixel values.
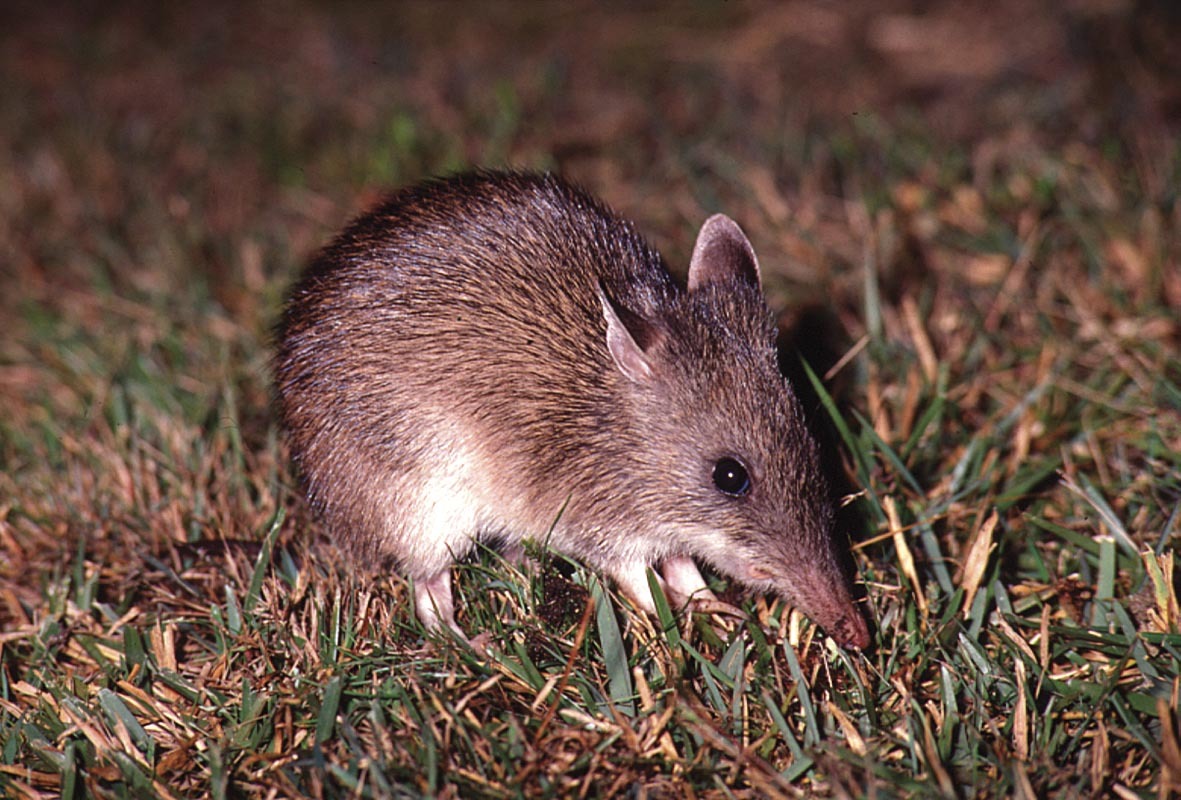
(731, 477)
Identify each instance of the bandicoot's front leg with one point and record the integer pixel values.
(683, 582)
(632, 581)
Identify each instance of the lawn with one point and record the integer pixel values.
(968, 216)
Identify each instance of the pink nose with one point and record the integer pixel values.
(851, 631)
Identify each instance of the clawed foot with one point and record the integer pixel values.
(682, 584)
(479, 643)
(715, 606)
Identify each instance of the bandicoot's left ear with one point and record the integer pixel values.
(722, 252)
(629, 337)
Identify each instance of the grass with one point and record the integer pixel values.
(995, 354)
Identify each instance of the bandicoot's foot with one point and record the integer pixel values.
(480, 643)
(714, 606)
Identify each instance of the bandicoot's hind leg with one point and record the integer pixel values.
(434, 602)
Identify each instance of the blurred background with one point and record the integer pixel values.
(213, 144)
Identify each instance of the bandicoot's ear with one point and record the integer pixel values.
(722, 252)
(628, 337)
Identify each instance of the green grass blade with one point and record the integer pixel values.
(811, 725)
(619, 679)
(329, 706)
(264, 559)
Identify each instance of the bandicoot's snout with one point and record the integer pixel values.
(850, 630)
(824, 597)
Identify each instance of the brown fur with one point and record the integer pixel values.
(444, 363)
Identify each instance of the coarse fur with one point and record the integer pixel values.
(498, 357)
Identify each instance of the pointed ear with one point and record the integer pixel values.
(722, 252)
(628, 335)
